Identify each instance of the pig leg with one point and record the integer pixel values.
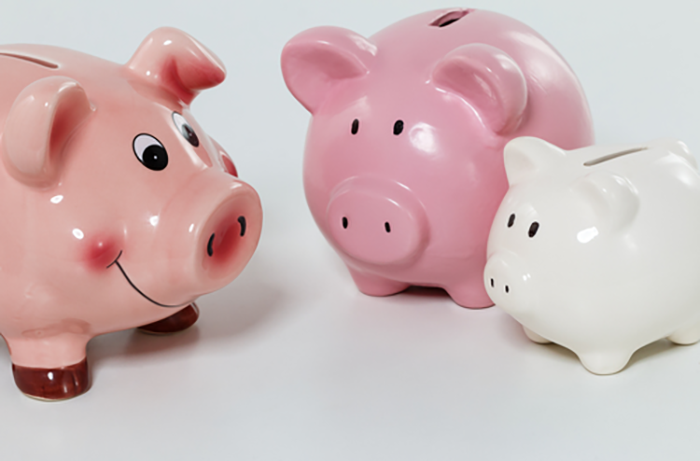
(50, 368)
(605, 363)
(470, 294)
(374, 285)
(686, 335)
(179, 321)
(534, 337)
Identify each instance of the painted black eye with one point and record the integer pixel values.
(398, 127)
(533, 229)
(511, 220)
(355, 126)
(185, 129)
(150, 152)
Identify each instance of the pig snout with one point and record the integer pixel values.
(377, 221)
(508, 283)
(210, 230)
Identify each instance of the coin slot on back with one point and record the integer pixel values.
(31, 59)
(449, 18)
(608, 157)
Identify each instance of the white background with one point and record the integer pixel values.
(291, 362)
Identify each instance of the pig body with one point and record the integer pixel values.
(403, 169)
(118, 209)
(596, 249)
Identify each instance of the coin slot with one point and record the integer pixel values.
(449, 18)
(31, 59)
(609, 157)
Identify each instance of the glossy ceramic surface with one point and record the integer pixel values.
(118, 208)
(403, 168)
(596, 249)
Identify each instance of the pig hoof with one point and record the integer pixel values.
(534, 337)
(686, 336)
(179, 321)
(470, 297)
(605, 363)
(377, 286)
(52, 383)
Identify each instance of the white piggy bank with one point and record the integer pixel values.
(598, 249)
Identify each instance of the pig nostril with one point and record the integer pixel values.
(492, 284)
(242, 222)
(210, 245)
(387, 227)
(507, 289)
(345, 222)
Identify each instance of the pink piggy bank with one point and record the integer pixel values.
(403, 169)
(118, 210)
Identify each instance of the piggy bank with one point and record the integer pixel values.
(597, 249)
(118, 210)
(403, 169)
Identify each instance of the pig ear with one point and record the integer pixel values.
(225, 158)
(42, 119)
(489, 80)
(317, 59)
(525, 157)
(677, 147)
(170, 59)
(613, 199)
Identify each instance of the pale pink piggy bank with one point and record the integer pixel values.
(404, 155)
(118, 210)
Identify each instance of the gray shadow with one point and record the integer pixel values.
(427, 293)
(230, 313)
(436, 293)
(660, 347)
(514, 334)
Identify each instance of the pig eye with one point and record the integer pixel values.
(398, 127)
(185, 129)
(355, 126)
(533, 229)
(511, 220)
(150, 152)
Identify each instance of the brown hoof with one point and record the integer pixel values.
(52, 383)
(179, 321)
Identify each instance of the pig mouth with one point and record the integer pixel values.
(133, 285)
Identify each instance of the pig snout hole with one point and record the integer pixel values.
(506, 288)
(344, 222)
(210, 245)
(222, 244)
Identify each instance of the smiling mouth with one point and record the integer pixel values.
(116, 261)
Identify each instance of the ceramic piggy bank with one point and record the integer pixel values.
(118, 210)
(597, 249)
(403, 169)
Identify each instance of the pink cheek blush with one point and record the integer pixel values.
(100, 253)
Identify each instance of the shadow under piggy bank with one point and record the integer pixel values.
(226, 315)
(514, 334)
